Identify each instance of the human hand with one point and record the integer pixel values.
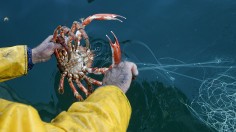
(121, 75)
(43, 52)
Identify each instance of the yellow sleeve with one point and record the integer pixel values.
(106, 110)
(16, 117)
(13, 62)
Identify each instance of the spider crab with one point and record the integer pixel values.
(75, 61)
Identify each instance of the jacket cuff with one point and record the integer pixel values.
(29, 58)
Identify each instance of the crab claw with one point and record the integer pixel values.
(102, 17)
(115, 48)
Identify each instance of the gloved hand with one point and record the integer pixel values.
(121, 75)
(44, 51)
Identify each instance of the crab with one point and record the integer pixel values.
(75, 61)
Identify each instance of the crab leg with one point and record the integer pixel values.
(66, 30)
(67, 40)
(61, 85)
(93, 81)
(76, 94)
(90, 87)
(57, 55)
(59, 39)
(55, 33)
(55, 39)
(80, 27)
(96, 70)
(115, 48)
(82, 88)
(102, 17)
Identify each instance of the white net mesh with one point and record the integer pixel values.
(216, 103)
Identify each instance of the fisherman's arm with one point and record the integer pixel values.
(15, 61)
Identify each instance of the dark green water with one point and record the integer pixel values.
(177, 45)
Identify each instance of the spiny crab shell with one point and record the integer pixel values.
(75, 61)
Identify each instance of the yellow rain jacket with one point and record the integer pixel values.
(106, 110)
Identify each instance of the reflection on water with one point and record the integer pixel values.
(6, 92)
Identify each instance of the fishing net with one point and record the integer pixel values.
(216, 103)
